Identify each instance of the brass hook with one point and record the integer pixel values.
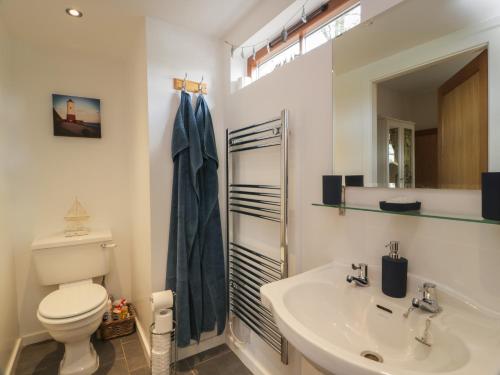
(184, 82)
(200, 85)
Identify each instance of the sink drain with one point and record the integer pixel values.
(372, 356)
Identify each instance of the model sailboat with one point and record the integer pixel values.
(76, 219)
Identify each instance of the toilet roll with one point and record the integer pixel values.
(162, 300)
(160, 363)
(163, 321)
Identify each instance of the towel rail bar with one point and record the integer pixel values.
(255, 215)
(269, 330)
(253, 252)
(273, 187)
(253, 302)
(269, 203)
(256, 208)
(244, 278)
(268, 340)
(261, 194)
(237, 254)
(254, 126)
(245, 267)
(237, 259)
(253, 140)
(255, 147)
(257, 132)
(268, 323)
(240, 283)
(248, 269)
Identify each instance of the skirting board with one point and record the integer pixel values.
(205, 344)
(14, 356)
(143, 338)
(34, 338)
(247, 358)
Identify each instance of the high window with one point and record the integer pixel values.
(324, 24)
(332, 29)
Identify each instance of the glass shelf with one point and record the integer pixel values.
(470, 219)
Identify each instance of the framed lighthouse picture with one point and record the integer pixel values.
(75, 116)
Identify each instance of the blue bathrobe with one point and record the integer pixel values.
(184, 257)
(210, 231)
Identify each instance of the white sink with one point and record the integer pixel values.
(331, 322)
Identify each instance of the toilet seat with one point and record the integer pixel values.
(73, 301)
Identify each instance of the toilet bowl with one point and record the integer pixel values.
(71, 314)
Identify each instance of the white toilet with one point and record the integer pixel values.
(74, 311)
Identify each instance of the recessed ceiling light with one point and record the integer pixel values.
(74, 12)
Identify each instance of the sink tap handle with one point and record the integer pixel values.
(362, 270)
(428, 291)
(415, 302)
(362, 278)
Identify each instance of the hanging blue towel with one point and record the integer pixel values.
(184, 257)
(210, 231)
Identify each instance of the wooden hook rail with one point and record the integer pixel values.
(191, 86)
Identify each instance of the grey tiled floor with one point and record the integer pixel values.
(124, 356)
(121, 356)
(217, 361)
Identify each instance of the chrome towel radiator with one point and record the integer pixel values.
(247, 268)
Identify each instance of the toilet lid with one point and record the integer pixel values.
(72, 301)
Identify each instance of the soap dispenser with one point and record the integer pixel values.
(394, 272)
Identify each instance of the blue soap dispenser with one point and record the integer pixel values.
(394, 272)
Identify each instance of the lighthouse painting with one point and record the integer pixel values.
(75, 116)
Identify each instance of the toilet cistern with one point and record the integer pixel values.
(362, 278)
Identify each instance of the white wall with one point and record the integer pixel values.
(48, 171)
(139, 179)
(172, 52)
(304, 88)
(9, 330)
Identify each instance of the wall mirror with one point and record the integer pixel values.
(418, 118)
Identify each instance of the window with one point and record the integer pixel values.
(323, 24)
(279, 59)
(333, 29)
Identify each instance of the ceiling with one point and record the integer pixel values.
(212, 17)
(108, 26)
(406, 25)
(432, 77)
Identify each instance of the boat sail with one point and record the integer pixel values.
(76, 219)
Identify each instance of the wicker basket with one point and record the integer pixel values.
(116, 328)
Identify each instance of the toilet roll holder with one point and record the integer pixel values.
(173, 345)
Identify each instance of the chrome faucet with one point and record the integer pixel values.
(428, 301)
(362, 278)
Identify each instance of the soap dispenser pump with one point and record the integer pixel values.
(394, 272)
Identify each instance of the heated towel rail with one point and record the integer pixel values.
(247, 268)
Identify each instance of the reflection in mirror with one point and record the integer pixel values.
(430, 128)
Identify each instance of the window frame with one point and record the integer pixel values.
(332, 19)
(332, 9)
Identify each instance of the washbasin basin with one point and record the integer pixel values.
(349, 330)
